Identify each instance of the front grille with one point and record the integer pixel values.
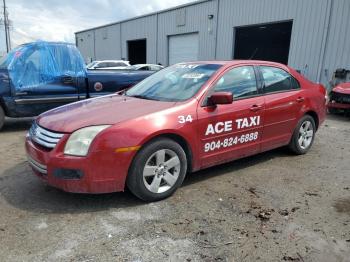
(340, 98)
(44, 137)
(37, 166)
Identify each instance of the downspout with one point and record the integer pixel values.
(120, 41)
(324, 42)
(157, 39)
(95, 45)
(217, 28)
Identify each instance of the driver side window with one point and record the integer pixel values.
(240, 81)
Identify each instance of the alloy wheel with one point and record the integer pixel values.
(161, 171)
(306, 134)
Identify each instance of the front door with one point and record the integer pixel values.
(228, 132)
(39, 82)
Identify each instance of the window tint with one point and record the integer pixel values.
(103, 64)
(277, 80)
(143, 68)
(295, 83)
(115, 64)
(241, 82)
(155, 68)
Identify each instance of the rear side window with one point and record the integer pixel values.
(277, 80)
(115, 64)
(240, 81)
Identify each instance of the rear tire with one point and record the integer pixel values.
(2, 117)
(157, 170)
(303, 136)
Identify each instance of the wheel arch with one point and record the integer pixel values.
(181, 141)
(314, 115)
(3, 106)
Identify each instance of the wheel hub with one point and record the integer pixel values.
(160, 171)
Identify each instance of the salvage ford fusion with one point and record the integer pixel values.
(184, 118)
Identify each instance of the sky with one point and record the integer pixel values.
(57, 20)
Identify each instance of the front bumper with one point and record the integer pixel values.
(99, 172)
(339, 101)
(338, 106)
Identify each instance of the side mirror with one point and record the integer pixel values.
(220, 98)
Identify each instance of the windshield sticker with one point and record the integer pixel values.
(186, 66)
(193, 76)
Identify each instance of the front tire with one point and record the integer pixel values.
(303, 136)
(2, 118)
(158, 170)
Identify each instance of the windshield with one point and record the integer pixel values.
(3, 62)
(6, 60)
(176, 83)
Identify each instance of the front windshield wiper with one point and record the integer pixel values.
(144, 97)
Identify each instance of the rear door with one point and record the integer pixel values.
(283, 100)
(232, 131)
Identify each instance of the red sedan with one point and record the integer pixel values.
(182, 119)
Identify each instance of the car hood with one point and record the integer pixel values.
(106, 110)
(343, 88)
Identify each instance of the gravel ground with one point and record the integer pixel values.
(270, 207)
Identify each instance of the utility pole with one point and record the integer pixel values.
(7, 29)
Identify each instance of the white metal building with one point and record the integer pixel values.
(312, 36)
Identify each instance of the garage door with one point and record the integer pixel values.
(183, 48)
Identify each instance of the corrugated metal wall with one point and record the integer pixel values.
(141, 28)
(196, 21)
(107, 42)
(86, 44)
(320, 40)
(337, 48)
(307, 33)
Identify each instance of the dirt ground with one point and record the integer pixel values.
(270, 207)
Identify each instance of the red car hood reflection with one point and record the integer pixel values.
(107, 110)
(343, 88)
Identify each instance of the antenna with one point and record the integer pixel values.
(7, 29)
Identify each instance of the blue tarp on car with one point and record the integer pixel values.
(35, 64)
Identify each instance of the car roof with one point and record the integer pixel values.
(99, 61)
(146, 65)
(236, 62)
(229, 63)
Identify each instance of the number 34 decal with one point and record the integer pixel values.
(184, 119)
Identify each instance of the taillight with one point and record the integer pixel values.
(325, 93)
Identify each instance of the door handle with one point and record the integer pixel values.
(300, 99)
(256, 108)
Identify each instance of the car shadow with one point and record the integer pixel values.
(235, 165)
(16, 124)
(21, 189)
(340, 116)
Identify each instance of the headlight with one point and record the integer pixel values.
(79, 142)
